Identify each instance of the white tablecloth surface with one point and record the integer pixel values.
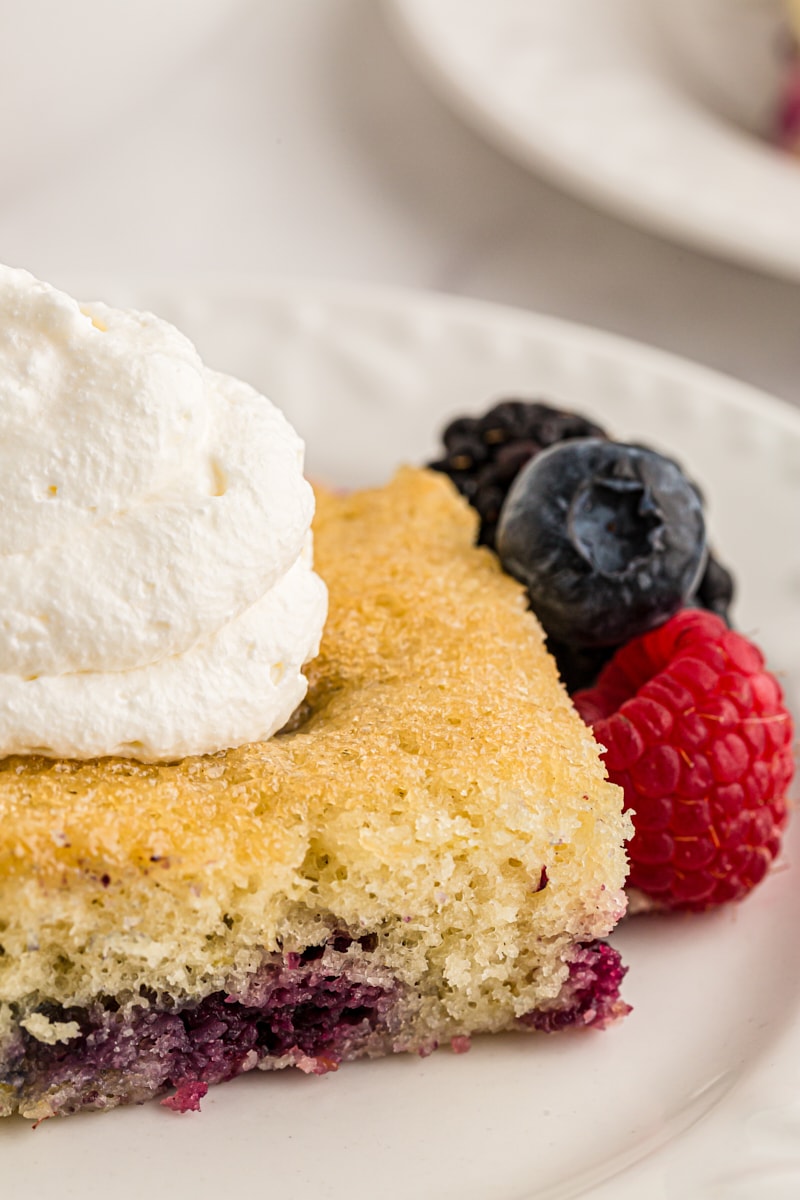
(301, 141)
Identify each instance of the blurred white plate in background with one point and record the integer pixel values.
(696, 1092)
(70, 68)
(646, 107)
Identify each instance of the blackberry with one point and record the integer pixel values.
(579, 666)
(483, 455)
(715, 590)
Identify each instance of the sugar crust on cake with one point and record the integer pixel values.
(439, 791)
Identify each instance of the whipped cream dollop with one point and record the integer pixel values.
(157, 595)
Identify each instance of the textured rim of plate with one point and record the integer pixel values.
(299, 291)
(664, 201)
(725, 1106)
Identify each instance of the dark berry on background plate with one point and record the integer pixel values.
(609, 540)
(483, 455)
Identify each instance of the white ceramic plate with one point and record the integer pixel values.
(644, 107)
(698, 1087)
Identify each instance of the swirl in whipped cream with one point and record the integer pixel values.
(156, 591)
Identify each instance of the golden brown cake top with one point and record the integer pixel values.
(432, 706)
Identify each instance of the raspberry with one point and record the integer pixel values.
(697, 735)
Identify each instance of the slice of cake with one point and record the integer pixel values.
(429, 851)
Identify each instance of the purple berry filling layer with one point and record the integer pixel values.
(591, 994)
(313, 1010)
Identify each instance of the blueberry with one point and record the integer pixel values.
(609, 540)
